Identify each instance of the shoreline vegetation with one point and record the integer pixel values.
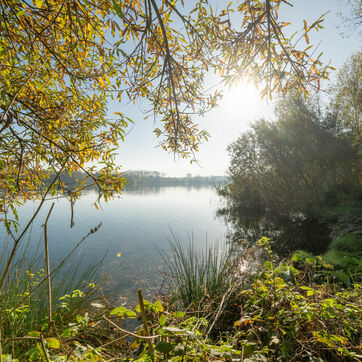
(303, 308)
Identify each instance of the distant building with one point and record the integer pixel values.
(188, 175)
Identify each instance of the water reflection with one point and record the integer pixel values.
(134, 227)
(287, 234)
(145, 190)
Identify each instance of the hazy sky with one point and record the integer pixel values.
(239, 107)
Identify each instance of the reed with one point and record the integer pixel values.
(194, 275)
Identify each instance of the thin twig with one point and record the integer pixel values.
(1, 348)
(220, 308)
(14, 98)
(21, 338)
(46, 354)
(128, 332)
(17, 241)
(47, 264)
(113, 341)
(60, 265)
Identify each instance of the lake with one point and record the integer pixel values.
(135, 227)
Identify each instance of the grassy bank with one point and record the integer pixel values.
(220, 305)
(300, 309)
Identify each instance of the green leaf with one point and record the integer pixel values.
(162, 320)
(66, 333)
(328, 266)
(165, 347)
(122, 312)
(53, 343)
(158, 307)
(310, 261)
(119, 311)
(178, 314)
(118, 9)
(131, 314)
(20, 13)
(8, 358)
(34, 334)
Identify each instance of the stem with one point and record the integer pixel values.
(46, 354)
(92, 231)
(144, 321)
(47, 264)
(1, 348)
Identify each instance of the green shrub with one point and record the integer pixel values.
(296, 319)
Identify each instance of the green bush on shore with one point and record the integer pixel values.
(291, 310)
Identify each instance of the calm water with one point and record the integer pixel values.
(134, 226)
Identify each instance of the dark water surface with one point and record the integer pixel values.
(134, 227)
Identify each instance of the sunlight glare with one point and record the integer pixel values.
(243, 101)
(244, 93)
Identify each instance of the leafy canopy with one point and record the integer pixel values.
(62, 62)
(347, 96)
(285, 175)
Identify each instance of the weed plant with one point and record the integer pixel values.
(196, 275)
(291, 310)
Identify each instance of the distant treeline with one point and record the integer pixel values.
(137, 179)
(142, 178)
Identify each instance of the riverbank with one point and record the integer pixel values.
(305, 308)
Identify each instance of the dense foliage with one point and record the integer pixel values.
(62, 63)
(301, 309)
(347, 97)
(142, 179)
(288, 175)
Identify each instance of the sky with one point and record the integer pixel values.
(239, 107)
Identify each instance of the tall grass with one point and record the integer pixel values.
(23, 301)
(196, 275)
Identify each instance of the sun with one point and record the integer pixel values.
(243, 100)
(244, 92)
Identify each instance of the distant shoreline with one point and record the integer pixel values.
(137, 179)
